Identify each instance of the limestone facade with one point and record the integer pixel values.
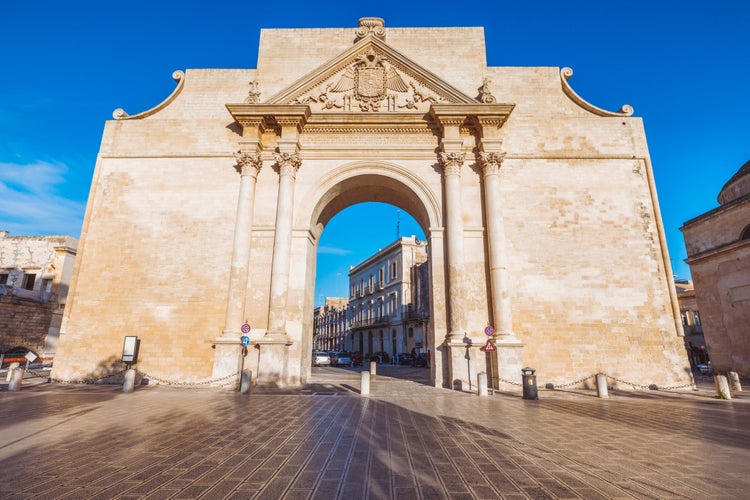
(718, 250)
(539, 209)
(384, 299)
(330, 325)
(35, 276)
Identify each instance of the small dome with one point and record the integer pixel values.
(737, 187)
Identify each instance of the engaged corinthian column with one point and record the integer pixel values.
(501, 312)
(452, 163)
(248, 164)
(289, 163)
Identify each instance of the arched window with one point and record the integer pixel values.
(745, 233)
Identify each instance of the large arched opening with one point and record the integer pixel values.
(363, 182)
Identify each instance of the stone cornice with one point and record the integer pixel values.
(271, 115)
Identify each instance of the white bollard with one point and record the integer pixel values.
(734, 382)
(481, 384)
(245, 381)
(12, 367)
(374, 367)
(16, 378)
(601, 385)
(722, 387)
(129, 383)
(364, 384)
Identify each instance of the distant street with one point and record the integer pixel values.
(407, 440)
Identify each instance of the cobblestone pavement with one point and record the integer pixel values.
(407, 440)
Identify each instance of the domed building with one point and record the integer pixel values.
(718, 249)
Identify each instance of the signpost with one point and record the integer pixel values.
(490, 347)
(245, 328)
(245, 341)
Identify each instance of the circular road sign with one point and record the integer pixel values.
(245, 328)
(489, 331)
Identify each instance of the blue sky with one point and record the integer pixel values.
(683, 65)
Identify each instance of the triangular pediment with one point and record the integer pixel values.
(370, 77)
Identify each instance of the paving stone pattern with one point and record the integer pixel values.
(407, 440)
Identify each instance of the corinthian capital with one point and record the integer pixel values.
(289, 163)
(451, 162)
(491, 162)
(248, 163)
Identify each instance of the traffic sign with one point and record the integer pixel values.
(489, 346)
(245, 340)
(245, 328)
(489, 331)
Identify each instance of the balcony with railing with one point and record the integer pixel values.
(373, 322)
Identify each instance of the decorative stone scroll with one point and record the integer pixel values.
(485, 92)
(374, 26)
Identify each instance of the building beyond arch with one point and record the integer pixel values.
(718, 249)
(205, 214)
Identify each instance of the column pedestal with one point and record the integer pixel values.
(227, 357)
(509, 363)
(273, 360)
(466, 361)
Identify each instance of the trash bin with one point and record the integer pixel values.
(529, 383)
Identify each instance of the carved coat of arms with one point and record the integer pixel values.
(370, 80)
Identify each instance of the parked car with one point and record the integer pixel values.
(342, 359)
(404, 358)
(321, 358)
(380, 357)
(705, 368)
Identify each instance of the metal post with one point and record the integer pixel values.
(492, 374)
(246, 381)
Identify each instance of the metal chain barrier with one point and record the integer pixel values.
(509, 382)
(89, 380)
(652, 387)
(576, 382)
(216, 381)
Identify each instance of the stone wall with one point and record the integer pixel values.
(25, 323)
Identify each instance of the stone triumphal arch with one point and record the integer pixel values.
(539, 209)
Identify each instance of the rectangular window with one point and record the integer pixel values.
(393, 270)
(3, 279)
(696, 318)
(28, 281)
(46, 285)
